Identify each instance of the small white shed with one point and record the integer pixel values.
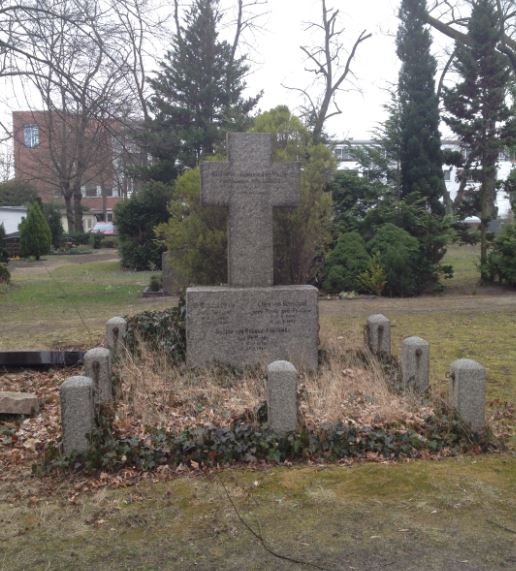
(11, 216)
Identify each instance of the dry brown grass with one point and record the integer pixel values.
(350, 386)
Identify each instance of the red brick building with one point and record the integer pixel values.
(52, 150)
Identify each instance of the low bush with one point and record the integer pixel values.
(95, 241)
(345, 263)
(109, 242)
(5, 275)
(501, 262)
(78, 238)
(400, 256)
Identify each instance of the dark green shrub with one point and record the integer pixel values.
(5, 275)
(4, 255)
(501, 262)
(95, 241)
(17, 193)
(53, 216)
(345, 263)
(35, 235)
(136, 219)
(400, 256)
(109, 242)
(78, 238)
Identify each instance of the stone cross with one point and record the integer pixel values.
(250, 185)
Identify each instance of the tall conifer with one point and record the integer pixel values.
(477, 111)
(197, 93)
(420, 141)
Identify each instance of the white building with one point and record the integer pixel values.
(11, 216)
(343, 151)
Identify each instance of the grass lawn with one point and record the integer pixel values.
(68, 305)
(422, 516)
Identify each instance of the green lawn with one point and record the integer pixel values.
(68, 305)
(419, 516)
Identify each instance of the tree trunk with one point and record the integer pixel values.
(77, 213)
(69, 211)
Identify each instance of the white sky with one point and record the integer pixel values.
(277, 59)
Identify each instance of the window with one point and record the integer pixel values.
(31, 136)
(447, 174)
(91, 191)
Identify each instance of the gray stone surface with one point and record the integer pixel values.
(466, 391)
(252, 326)
(97, 366)
(415, 364)
(116, 329)
(282, 396)
(77, 413)
(250, 185)
(18, 403)
(379, 334)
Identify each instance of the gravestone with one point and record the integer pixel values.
(116, 328)
(379, 334)
(282, 397)
(467, 391)
(251, 322)
(97, 366)
(77, 413)
(415, 364)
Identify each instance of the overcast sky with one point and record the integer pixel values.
(276, 60)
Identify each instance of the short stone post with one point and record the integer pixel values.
(466, 391)
(97, 366)
(282, 396)
(415, 364)
(77, 413)
(116, 328)
(379, 334)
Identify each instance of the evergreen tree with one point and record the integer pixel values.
(420, 141)
(477, 111)
(4, 256)
(35, 235)
(197, 94)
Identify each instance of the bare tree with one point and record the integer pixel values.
(330, 62)
(451, 17)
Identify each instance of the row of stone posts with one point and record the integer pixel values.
(82, 395)
(467, 378)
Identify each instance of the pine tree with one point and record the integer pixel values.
(197, 94)
(420, 141)
(477, 111)
(35, 235)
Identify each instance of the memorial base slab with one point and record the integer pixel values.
(252, 326)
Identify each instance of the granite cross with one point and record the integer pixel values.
(250, 185)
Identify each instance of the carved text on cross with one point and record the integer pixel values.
(250, 185)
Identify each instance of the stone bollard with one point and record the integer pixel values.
(466, 391)
(97, 366)
(415, 364)
(282, 396)
(77, 413)
(379, 334)
(116, 329)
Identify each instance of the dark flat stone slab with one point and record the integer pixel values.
(40, 358)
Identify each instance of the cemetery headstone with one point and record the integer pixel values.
(466, 391)
(415, 363)
(379, 334)
(116, 329)
(77, 413)
(282, 396)
(97, 366)
(250, 322)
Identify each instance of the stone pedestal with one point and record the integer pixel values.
(252, 326)
(282, 397)
(467, 391)
(415, 364)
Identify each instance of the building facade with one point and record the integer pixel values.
(54, 152)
